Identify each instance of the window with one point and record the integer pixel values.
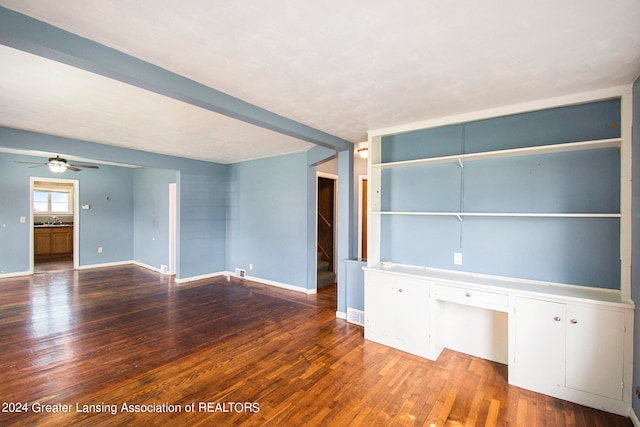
(50, 201)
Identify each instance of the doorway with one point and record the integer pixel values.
(54, 224)
(326, 230)
(363, 218)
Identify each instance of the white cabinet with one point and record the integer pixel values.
(569, 342)
(563, 349)
(540, 336)
(595, 343)
(397, 312)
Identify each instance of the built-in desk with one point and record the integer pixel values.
(570, 342)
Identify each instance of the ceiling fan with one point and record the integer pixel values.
(58, 165)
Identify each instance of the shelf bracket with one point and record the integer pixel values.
(460, 163)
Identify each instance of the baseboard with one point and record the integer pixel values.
(16, 274)
(106, 264)
(277, 284)
(341, 315)
(202, 277)
(634, 418)
(147, 266)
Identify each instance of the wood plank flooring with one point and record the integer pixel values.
(217, 352)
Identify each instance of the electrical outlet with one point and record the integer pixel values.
(250, 266)
(240, 272)
(99, 249)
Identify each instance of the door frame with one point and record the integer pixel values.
(335, 223)
(361, 212)
(76, 218)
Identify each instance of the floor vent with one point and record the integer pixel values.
(240, 272)
(355, 316)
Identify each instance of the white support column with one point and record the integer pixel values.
(374, 197)
(345, 222)
(625, 192)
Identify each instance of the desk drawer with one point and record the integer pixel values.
(472, 297)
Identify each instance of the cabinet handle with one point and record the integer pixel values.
(468, 294)
(574, 321)
(557, 318)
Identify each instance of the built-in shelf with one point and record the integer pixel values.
(513, 152)
(503, 214)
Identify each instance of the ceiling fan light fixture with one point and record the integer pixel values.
(57, 165)
(363, 152)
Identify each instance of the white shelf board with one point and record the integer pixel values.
(513, 152)
(503, 214)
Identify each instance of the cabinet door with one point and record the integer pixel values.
(379, 307)
(412, 298)
(61, 243)
(540, 344)
(42, 241)
(595, 343)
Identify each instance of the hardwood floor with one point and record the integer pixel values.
(220, 352)
(53, 265)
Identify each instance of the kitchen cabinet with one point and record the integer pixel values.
(52, 242)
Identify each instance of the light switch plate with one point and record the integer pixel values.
(457, 258)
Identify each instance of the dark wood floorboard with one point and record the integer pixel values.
(241, 353)
(53, 265)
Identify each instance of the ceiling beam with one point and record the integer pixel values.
(22, 32)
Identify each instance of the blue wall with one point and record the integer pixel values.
(202, 214)
(109, 223)
(228, 215)
(202, 203)
(577, 251)
(267, 223)
(151, 215)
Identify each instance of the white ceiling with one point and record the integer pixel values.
(343, 67)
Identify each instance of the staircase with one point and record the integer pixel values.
(325, 276)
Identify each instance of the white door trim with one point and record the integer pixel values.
(76, 218)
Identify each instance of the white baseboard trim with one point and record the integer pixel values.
(277, 284)
(106, 264)
(16, 274)
(202, 277)
(634, 418)
(229, 274)
(147, 266)
(341, 315)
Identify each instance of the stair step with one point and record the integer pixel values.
(326, 278)
(323, 266)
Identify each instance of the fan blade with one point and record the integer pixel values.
(71, 168)
(37, 166)
(84, 166)
(29, 163)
